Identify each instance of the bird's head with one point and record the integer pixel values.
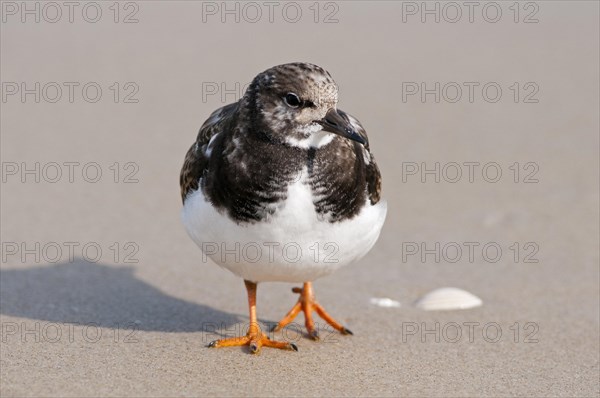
(297, 103)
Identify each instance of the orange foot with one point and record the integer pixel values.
(255, 339)
(307, 303)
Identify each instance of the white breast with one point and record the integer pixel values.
(293, 245)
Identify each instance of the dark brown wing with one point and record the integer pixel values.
(373, 181)
(196, 158)
(373, 175)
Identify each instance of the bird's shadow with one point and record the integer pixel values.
(81, 292)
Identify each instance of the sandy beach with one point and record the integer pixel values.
(484, 123)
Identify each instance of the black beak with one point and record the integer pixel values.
(335, 123)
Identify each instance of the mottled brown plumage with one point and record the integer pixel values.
(249, 163)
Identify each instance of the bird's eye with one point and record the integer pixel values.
(292, 100)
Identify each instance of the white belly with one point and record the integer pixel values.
(293, 245)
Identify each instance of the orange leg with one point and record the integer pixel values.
(307, 303)
(255, 339)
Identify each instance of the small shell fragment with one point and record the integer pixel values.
(385, 302)
(448, 298)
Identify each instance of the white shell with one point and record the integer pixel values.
(448, 298)
(385, 302)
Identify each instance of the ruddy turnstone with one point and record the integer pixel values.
(281, 186)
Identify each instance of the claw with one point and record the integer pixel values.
(255, 338)
(294, 347)
(306, 303)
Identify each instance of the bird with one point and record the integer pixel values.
(282, 186)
